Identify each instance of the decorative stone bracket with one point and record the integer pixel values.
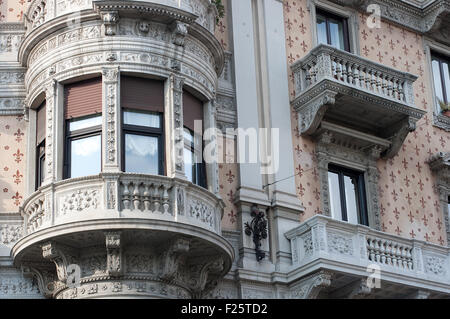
(310, 286)
(110, 21)
(113, 253)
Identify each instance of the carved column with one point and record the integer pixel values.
(113, 253)
(210, 150)
(174, 126)
(111, 120)
(322, 165)
(50, 134)
(373, 177)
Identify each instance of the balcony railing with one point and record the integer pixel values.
(116, 196)
(354, 92)
(353, 71)
(322, 242)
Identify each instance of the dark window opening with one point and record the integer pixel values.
(347, 195)
(194, 166)
(40, 145)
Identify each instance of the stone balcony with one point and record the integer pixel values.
(341, 253)
(163, 234)
(354, 97)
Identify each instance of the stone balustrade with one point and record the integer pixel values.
(324, 243)
(115, 196)
(354, 71)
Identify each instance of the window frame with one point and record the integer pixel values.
(40, 171)
(363, 218)
(431, 48)
(327, 15)
(348, 13)
(77, 135)
(435, 56)
(200, 168)
(144, 131)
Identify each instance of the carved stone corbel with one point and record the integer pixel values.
(311, 112)
(46, 281)
(355, 290)
(401, 130)
(179, 32)
(53, 253)
(113, 253)
(173, 258)
(310, 286)
(203, 277)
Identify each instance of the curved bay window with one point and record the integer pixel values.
(194, 167)
(40, 145)
(142, 103)
(83, 108)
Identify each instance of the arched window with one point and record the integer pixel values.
(83, 120)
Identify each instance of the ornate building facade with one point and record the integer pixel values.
(101, 193)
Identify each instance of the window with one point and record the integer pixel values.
(40, 145)
(142, 103)
(347, 195)
(194, 167)
(82, 111)
(441, 78)
(332, 30)
(143, 133)
(83, 142)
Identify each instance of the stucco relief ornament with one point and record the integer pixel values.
(257, 227)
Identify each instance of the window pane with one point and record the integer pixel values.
(337, 33)
(350, 184)
(141, 154)
(188, 136)
(75, 125)
(437, 80)
(141, 119)
(85, 156)
(335, 199)
(189, 165)
(445, 67)
(321, 30)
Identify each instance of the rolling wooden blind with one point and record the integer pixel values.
(83, 98)
(40, 124)
(192, 110)
(142, 94)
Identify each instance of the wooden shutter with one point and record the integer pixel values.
(142, 94)
(192, 110)
(83, 98)
(40, 124)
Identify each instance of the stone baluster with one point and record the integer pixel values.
(156, 199)
(126, 200)
(146, 197)
(136, 196)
